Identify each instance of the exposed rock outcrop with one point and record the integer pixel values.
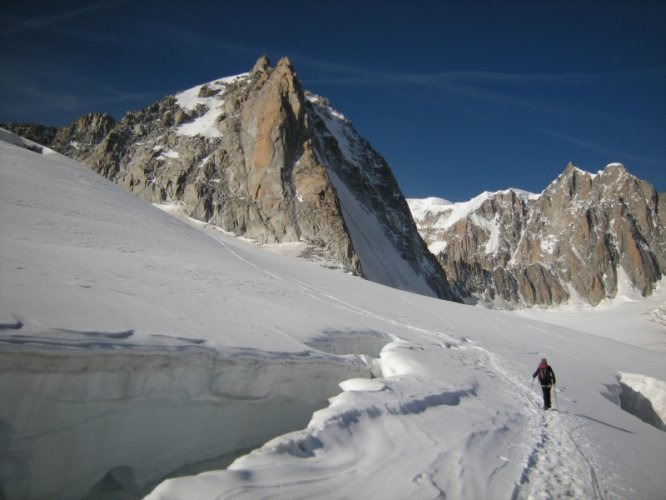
(585, 237)
(80, 139)
(77, 140)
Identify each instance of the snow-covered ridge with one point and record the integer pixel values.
(207, 101)
(593, 176)
(336, 124)
(324, 103)
(191, 98)
(447, 213)
(420, 207)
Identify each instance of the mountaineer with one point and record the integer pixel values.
(546, 379)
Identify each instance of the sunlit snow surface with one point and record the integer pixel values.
(209, 105)
(123, 326)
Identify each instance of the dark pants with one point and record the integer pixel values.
(546, 395)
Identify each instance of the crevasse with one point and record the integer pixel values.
(71, 418)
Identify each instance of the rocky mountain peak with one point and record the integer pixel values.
(272, 133)
(80, 138)
(254, 156)
(100, 123)
(572, 182)
(263, 65)
(615, 170)
(284, 64)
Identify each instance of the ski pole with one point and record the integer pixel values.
(557, 403)
(532, 385)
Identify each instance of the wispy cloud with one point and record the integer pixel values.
(492, 87)
(154, 35)
(349, 74)
(39, 71)
(476, 86)
(56, 17)
(591, 146)
(38, 91)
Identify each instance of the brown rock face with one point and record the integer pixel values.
(258, 157)
(585, 237)
(77, 140)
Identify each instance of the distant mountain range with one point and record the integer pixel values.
(258, 156)
(585, 238)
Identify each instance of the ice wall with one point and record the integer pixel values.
(644, 397)
(67, 419)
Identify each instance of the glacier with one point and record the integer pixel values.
(135, 346)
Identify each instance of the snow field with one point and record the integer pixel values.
(165, 344)
(628, 318)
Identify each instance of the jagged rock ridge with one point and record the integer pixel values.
(583, 238)
(259, 157)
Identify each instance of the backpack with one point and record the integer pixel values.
(544, 375)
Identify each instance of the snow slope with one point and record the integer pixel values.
(629, 318)
(133, 344)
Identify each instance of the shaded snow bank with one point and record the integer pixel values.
(369, 343)
(143, 415)
(644, 397)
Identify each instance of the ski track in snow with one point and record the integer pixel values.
(556, 465)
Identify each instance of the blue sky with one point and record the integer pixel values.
(458, 96)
